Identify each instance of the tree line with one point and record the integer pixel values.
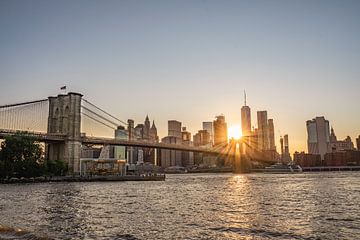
(22, 156)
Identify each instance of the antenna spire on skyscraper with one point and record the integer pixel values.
(244, 98)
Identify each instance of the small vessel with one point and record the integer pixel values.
(283, 168)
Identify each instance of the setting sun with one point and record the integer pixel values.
(234, 132)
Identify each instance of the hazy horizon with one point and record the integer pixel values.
(190, 61)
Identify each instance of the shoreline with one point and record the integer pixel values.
(113, 178)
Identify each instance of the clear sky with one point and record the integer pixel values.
(190, 60)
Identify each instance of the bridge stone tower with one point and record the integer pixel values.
(65, 118)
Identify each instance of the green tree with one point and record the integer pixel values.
(56, 168)
(20, 156)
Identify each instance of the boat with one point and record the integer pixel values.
(283, 168)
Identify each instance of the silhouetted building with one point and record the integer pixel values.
(307, 159)
(146, 128)
(286, 157)
(342, 158)
(271, 135)
(120, 151)
(358, 143)
(131, 158)
(220, 131)
(209, 127)
(245, 119)
(143, 132)
(318, 136)
(337, 145)
(174, 128)
(171, 157)
(202, 138)
(153, 133)
(139, 131)
(187, 158)
(130, 129)
(263, 136)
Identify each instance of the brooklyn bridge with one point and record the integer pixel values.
(58, 122)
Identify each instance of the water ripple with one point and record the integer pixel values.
(204, 206)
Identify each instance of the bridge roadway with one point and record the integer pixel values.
(45, 137)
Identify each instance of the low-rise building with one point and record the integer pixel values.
(307, 159)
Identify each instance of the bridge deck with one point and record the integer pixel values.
(45, 137)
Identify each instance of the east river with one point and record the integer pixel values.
(191, 206)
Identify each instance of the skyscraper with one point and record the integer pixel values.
(172, 157)
(153, 133)
(245, 119)
(282, 146)
(147, 128)
(174, 128)
(120, 151)
(220, 130)
(271, 135)
(202, 138)
(286, 146)
(318, 136)
(131, 158)
(130, 128)
(263, 139)
(209, 127)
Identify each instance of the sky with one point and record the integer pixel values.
(190, 60)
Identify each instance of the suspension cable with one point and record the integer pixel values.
(104, 112)
(98, 115)
(98, 121)
(24, 103)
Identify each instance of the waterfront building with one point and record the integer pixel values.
(263, 136)
(187, 158)
(342, 158)
(307, 159)
(149, 135)
(120, 151)
(131, 136)
(209, 127)
(358, 143)
(220, 130)
(318, 131)
(286, 157)
(337, 145)
(143, 132)
(90, 152)
(171, 157)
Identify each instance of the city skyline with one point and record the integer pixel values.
(293, 71)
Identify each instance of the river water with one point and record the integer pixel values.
(191, 206)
